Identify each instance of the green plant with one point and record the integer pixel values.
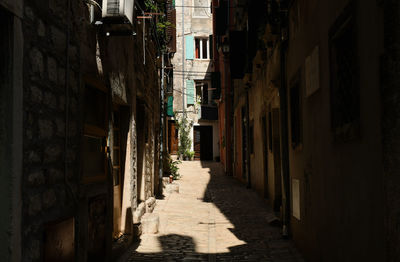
(189, 154)
(185, 142)
(173, 165)
(170, 167)
(161, 23)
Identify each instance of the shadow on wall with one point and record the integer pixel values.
(250, 218)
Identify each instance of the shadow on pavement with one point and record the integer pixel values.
(249, 217)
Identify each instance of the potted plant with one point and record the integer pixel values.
(191, 155)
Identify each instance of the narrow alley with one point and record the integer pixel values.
(212, 218)
(199, 130)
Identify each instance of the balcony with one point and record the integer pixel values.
(208, 113)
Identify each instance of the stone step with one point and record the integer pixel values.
(150, 223)
(172, 188)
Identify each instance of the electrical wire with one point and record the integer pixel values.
(198, 6)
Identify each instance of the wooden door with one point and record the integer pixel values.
(172, 138)
(203, 143)
(197, 142)
(276, 149)
(206, 147)
(116, 163)
(265, 155)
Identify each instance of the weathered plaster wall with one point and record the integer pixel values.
(390, 127)
(340, 183)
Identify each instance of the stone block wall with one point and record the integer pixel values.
(50, 158)
(53, 121)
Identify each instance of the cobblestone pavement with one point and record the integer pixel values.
(213, 218)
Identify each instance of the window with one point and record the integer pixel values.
(202, 50)
(345, 93)
(202, 92)
(95, 133)
(201, 8)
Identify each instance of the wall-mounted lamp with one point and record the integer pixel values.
(225, 47)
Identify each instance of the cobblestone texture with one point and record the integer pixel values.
(213, 218)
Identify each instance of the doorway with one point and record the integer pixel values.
(244, 143)
(172, 138)
(203, 143)
(142, 137)
(276, 149)
(265, 155)
(119, 143)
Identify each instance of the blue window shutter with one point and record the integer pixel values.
(190, 92)
(189, 42)
(170, 106)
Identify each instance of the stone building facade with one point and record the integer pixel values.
(323, 155)
(80, 130)
(193, 91)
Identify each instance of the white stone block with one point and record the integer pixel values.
(150, 223)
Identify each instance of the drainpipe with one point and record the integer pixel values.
(248, 138)
(160, 178)
(183, 58)
(227, 137)
(284, 139)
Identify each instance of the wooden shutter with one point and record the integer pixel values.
(171, 29)
(190, 92)
(170, 104)
(189, 47)
(196, 143)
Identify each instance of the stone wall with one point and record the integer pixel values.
(49, 158)
(53, 121)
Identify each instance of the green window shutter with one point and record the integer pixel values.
(190, 92)
(170, 106)
(189, 42)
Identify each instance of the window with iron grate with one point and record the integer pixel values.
(344, 86)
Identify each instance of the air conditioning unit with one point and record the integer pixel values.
(118, 11)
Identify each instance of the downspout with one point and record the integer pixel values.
(226, 115)
(183, 59)
(284, 137)
(248, 138)
(160, 185)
